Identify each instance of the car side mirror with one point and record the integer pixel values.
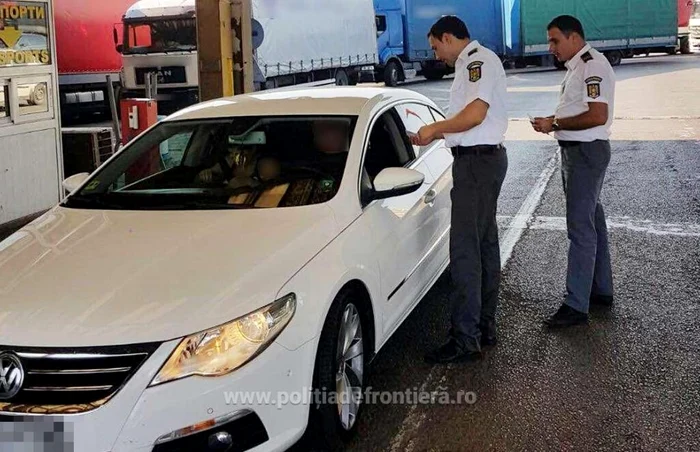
(392, 182)
(75, 181)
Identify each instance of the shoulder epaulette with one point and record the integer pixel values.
(472, 52)
(586, 57)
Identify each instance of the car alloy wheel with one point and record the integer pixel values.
(350, 359)
(339, 373)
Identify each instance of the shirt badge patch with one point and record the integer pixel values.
(475, 71)
(593, 87)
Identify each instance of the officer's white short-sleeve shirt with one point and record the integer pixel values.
(479, 74)
(589, 78)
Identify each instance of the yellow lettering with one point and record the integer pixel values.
(19, 58)
(40, 12)
(2, 58)
(44, 56)
(3, 11)
(14, 12)
(23, 11)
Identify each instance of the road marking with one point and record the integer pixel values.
(521, 219)
(414, 419)
(628, 223)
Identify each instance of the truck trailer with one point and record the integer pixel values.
(301, 42)
(86, 53)
(618, 28)
(403, 26)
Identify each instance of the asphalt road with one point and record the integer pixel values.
(631, 379)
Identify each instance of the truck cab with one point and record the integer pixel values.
(160, 36)
(402, 43)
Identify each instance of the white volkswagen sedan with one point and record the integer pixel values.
(226, 278)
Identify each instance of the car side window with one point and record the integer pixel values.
(388, 147)
(414, 116)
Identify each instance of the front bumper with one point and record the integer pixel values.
(137, 416)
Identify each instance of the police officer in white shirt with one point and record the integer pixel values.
(581, 124)
(474, 130)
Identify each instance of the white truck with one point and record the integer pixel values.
(302, 42)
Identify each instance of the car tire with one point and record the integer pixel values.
(333, 422)
(38, 95)
(392, 74)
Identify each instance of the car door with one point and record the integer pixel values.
(438, 159)
(402, 226)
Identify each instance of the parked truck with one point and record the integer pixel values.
(86, 53)
(618, 28)
(403, 26)
(301, 42)
(685, 10)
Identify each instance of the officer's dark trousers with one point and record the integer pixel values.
(589, 269)
(475, 258)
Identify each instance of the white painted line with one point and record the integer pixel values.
(521, 219)
(414, 419)
(630, 224)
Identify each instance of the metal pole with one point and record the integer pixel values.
(116, 130)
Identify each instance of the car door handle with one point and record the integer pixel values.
(430, 196)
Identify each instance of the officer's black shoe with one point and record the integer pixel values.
(488, 341)
(601, 300)
(449, 352)
(566, 316)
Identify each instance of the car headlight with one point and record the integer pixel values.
(224, 349)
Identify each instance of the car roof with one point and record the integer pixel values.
(334, 100)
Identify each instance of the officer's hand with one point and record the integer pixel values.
(543, 125)
(424, 137)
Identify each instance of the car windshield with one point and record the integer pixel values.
(239, 163)
(169, 35)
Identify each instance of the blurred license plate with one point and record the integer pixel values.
(35, 434)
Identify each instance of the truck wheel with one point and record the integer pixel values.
(614, 57)
(392, 74)
(685, 45)
(341, 78)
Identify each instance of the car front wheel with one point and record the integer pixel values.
(339, 376)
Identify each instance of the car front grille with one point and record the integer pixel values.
(62, 380)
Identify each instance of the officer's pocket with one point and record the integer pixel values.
(595, 155)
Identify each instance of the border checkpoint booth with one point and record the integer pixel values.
(31, 164)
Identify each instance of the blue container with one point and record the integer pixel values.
(483, 18)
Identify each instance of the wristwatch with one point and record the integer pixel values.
(555, 124)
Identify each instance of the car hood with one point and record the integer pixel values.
(88, 277)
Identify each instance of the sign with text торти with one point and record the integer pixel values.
(24, 31)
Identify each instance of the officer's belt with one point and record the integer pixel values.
(571, 144)
(481, 149)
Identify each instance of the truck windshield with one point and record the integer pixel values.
(233, 163)
(168, 35)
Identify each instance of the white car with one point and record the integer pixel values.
(193, 291)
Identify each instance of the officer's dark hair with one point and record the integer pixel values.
(567, 25)
(449, 24)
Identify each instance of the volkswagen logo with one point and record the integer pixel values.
(11, 375)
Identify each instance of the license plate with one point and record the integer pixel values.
(172, 74)
(32, 433)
